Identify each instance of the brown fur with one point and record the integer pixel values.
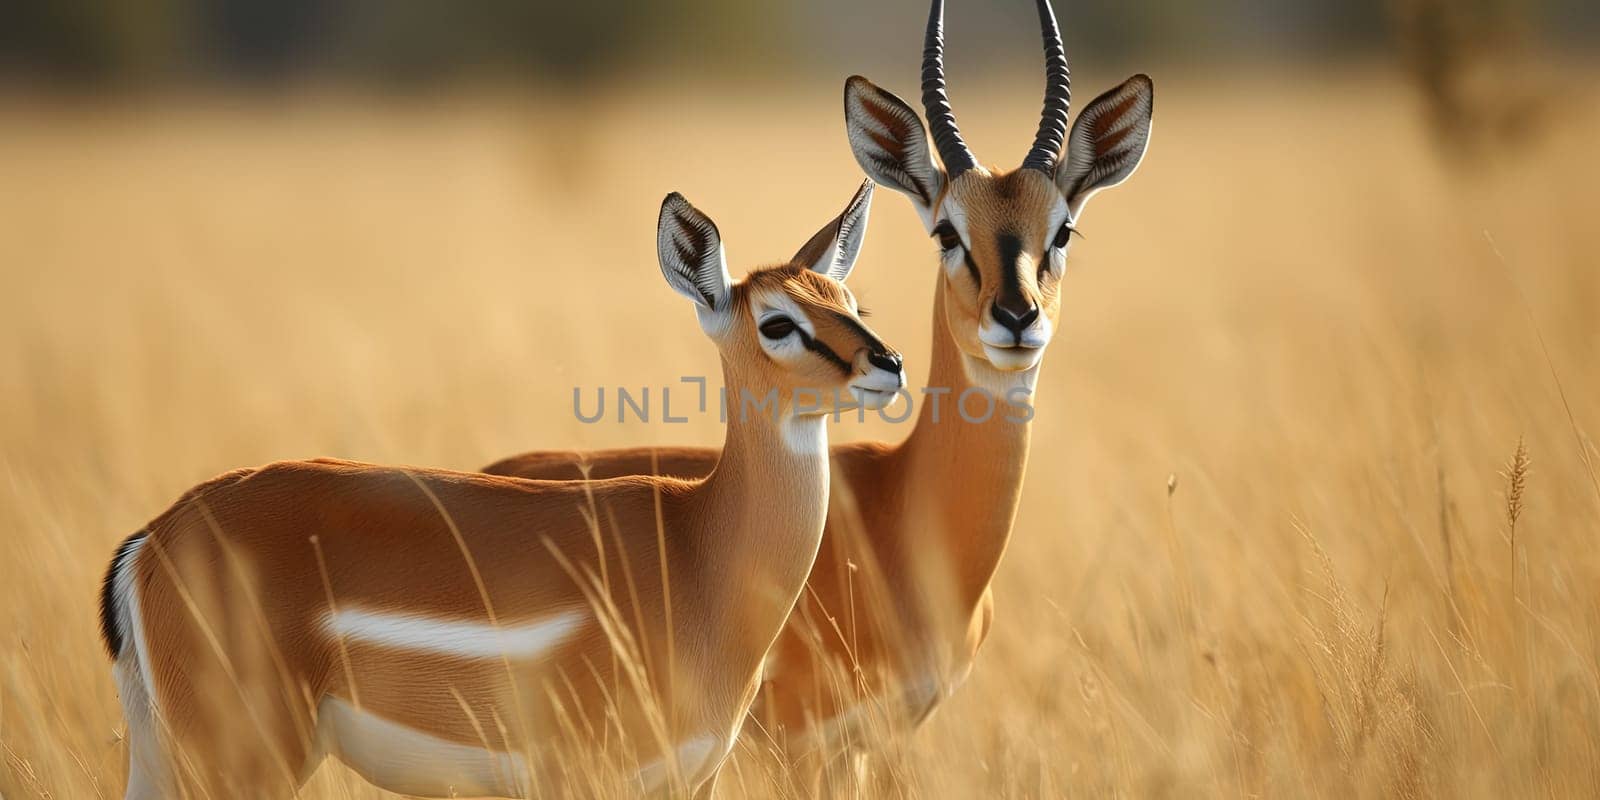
(924, 522)
(235, 579)
(1014, 203)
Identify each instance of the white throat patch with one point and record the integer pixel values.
(998, 382)
(806, 436)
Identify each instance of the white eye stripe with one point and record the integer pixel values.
(1060, 215)
(1056, 260)
(768, 315)
(953, 260)
(957, 217)
(771, 306)
(774, 306)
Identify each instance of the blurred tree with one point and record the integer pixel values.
(1466, 59)
(256, 40)
(574, 43)
(93, 41)
(559, 43)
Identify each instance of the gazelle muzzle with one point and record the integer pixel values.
(1014, 334)
(880, 375)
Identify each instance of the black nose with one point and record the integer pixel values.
(1014, 322)
(885, 361)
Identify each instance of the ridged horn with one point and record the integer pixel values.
(936, 103)
(1057, 96)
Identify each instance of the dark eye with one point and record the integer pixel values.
(1063, 235)
(948, 238)
(777, 327)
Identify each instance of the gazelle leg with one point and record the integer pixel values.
(231, 747)
(709, 787)
(229, 728)
(848, 773)
(240, 763)
(149, 772)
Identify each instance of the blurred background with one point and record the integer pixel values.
(1269, 543)
(416, 43)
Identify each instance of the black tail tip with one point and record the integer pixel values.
(110, 604)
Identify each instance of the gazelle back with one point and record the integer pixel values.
(452, 634)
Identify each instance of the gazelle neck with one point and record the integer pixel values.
(970, 471)
(768, 496)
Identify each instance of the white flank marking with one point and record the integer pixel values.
(407, 761)
(454, 637)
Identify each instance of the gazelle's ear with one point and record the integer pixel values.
(833, 250)
(1108, 141)
(890, 144)
(691, 255)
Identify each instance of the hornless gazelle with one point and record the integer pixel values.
(900, 599)
(455, 634)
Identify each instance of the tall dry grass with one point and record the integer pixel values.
(1292, 310)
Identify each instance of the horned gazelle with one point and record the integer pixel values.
(454, 634)
(900, 599)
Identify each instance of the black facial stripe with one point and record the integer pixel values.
(822, 349)
(1010, 281)
(873, 342)
(972, 268)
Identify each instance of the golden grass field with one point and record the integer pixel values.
(1292, 309)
